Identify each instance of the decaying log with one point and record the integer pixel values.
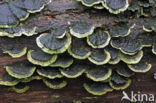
(62, 11)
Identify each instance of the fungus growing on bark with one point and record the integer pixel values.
(97, 88)
(63, 61)
(81, 29)
(18, 31)
(127, 45)
(79, 49)
(50, 73)
(74, 71)
(59, 30)
(124, 71)
(35, 76)
(116, 6)
(114, 54)
(121, 30)
(154, 48)
(8, 80)
(14, 11)
(150, 25)
(99, 57)
(140, 67)
(99, 38)
(20, 70)
(132, 59)
(146, 39)
(15, 51)
(55, 83)
(89, 3)
(118, 82)
(98, 73)
(51, 44)
(20, 88)
(41, 58)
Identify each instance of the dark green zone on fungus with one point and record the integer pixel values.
(51, 44)
(99, 38)
(19, 31)
(118, 82)
(20, 69)
(38, 57)
(79, 49)
(15, 51)
(143, 8)
(81, 29)
(55, 83)
(50, 73)
(113, 6)
(20, 88)
(14, 11)
(63, 61)
(8, 80)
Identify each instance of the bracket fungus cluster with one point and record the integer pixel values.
(108, 57)
(14, 11)
(114, 6)
(139, 7)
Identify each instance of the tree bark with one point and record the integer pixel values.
(61, 11)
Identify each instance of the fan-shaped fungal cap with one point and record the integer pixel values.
(52, 45)
(13, 11)
(81, 29)
(79, 49)
(99, 38)
(99, 57)
(120, 86)
(35, 76)
(34, 6)
(18, 31)
(117, 78)
(59, 30)
(154, 48)
(132, 59)
(74, 71)
(127, 45)
(140, 67)
(97, 88)
(150, 25)
(55, 83)
(98, 6)
(20, 88)
(98, 73)
(20, 70)
(89, 3)
(146, 39)
(8, 80)
(124, 71)
(50, 73)
(14, 51)
(121, 30)
(63, 61)
(118, 82)
(116, 6)
(115, 55)
(41, 58)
